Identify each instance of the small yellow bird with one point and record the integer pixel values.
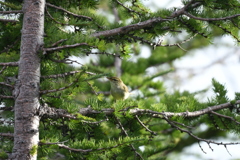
(119, 90)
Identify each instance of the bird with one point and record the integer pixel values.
(119, 90)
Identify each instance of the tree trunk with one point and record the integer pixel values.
(26, 92)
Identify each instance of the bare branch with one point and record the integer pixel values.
(3, 68)
(10, 12)
(55, 19)
(7, 97)
(64, 47)
(137, 111)
(201, 147)
(227, 117)
(6, 84)
(132, 27)
(196, 137)
(60, 41)
(127, 8)
(210, 19)
(126, 134)
(9, 20)
(6, 134)
(9, 64)
(143, 125)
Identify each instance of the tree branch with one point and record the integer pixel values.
(8, 20)
(6, 97)
(210, 19)
(196, 137)
(61, 145)
(126, 134)
(10, 12)
(62, 9)
(6, 134)
(9, 64)
(6, 84)
(132, 27)
(144, 126)
(59, 89)
(3, 68)
(61, 75)
(63, 47)
(144, 24)
(138, 111)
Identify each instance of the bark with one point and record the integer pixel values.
(26, 92)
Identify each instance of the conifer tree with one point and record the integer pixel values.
(53, 109)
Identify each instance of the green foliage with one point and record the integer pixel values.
(220, 93)
(111, 131)
(3, 155)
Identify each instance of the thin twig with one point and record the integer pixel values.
(3, 68)
(126, 134)
(210, 19)
(127, 8)
(61, 75)
(224, 116)
(63, 47)
(62, 9)
(59, 89)
(196, 137)
(6, 84)
(141, 123)
(56, 43)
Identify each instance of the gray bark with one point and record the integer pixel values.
(26, 92)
